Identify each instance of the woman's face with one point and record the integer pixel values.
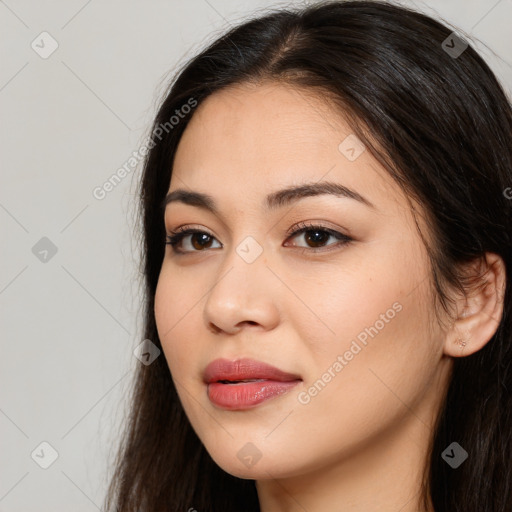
(347, 320)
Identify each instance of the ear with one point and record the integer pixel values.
(478, 314)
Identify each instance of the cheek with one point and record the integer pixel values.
(358, 298)
(377, 382)
(387, 350)
(171, 315)
(375, 316)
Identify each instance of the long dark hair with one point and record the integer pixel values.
(441, 125)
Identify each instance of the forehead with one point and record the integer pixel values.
(248, 140)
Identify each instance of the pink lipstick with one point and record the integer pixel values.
(245, 383)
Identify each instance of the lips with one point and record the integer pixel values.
(223, 370)
(245, 383)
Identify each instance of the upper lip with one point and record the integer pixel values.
(244, 369)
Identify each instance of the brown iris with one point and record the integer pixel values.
(203, 240)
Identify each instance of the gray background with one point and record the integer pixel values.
(70, 320)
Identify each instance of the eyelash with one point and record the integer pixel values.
(176, 237)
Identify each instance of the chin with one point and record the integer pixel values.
(249, 463)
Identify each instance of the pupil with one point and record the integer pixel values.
(319, 238)
(204, 236)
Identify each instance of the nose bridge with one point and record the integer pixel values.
(243, 267)
(246, 253)
(239, 293)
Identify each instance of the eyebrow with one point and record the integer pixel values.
(274, 200)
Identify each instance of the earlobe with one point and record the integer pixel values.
(480, 311)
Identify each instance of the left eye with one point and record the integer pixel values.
(318, 236)
(315, 235)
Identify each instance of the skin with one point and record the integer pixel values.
(360, 443)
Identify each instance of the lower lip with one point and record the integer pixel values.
(245, 395)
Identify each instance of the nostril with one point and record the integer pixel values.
(246, 322)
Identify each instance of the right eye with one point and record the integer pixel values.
(197, 239)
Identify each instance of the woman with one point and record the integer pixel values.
(327, 255)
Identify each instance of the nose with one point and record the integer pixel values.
(243, 295)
